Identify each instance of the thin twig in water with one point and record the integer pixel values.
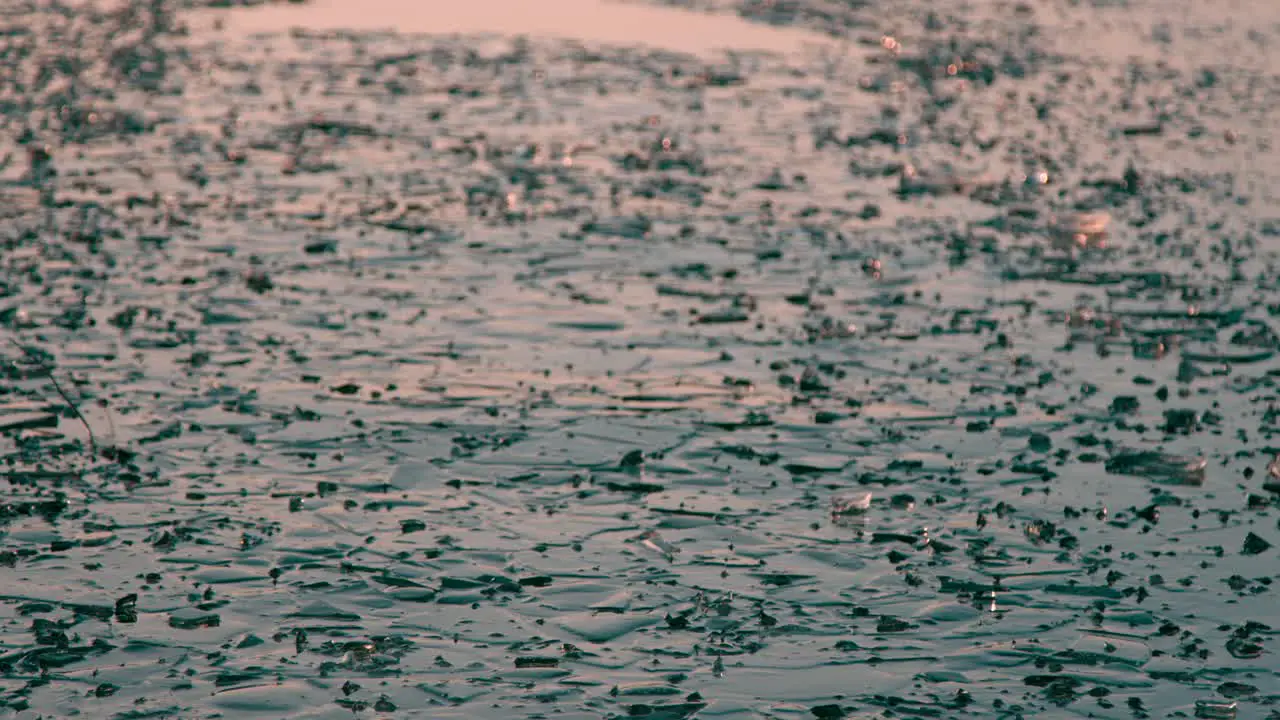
(93, 443)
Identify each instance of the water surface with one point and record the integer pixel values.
(444, 375)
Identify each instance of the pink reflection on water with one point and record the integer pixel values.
(596, 21)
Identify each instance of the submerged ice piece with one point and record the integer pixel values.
(854, 503)
(1158, 466)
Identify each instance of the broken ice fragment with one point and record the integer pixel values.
(1226, 710)
(1254, 545)
(1080, 230)
(1273, 475)
(855, 503)
(1158, 466)
(1094, 223)
(653, 541)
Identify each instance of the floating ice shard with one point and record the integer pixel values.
(1094, 223)
(1158, 466)
(655, 542)
(1080, 230)
(854, 503)
(1216, 709)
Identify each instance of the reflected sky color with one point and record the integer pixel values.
(596, 21)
